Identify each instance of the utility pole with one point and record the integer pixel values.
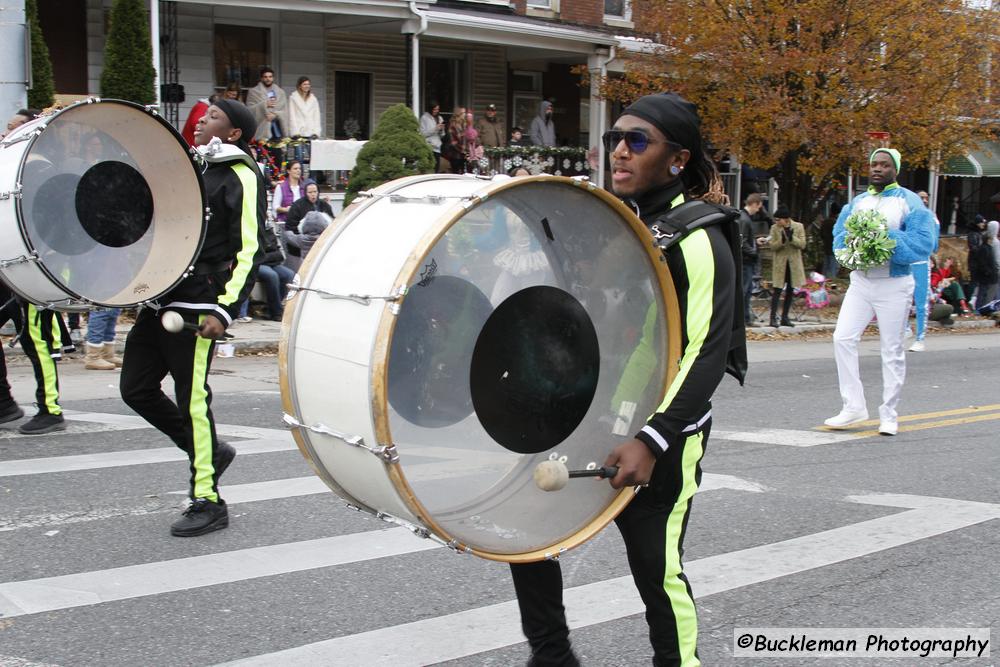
(15, 61)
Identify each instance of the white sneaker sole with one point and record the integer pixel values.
(845, 425)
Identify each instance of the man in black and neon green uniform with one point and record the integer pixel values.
(657, 163)
(209, 299)
(43, 336)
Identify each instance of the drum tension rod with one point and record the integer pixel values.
(363, 299)
(23, 259)
(16, 192)
(385, 452)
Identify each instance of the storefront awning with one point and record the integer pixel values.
(984, 161)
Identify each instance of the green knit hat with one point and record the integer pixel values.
(891, 152)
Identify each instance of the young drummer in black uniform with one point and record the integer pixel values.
(223, 276)
(657, 162)
(43, 336)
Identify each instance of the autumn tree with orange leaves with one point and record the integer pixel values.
(792, 86)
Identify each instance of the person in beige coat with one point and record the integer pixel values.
(786, 241)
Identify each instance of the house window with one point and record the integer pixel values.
(240, 52)
(444, 83)
(541, 4)
(618, 9)
(352, 108)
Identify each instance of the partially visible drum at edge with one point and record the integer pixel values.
(446, 334)
(101, 204)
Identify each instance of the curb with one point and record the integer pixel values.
(802, 328)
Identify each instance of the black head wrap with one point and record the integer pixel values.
(674, 116)
(241, 118)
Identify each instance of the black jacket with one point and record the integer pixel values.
(701, 264)
(226, 267)
(749, 242)
(298, 210)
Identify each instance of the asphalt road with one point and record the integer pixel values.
(794, 527)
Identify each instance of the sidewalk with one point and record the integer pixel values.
(255, 337)
(262, 336)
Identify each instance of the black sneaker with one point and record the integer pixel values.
(11, 413)
(41, 423)
(202, 516)
(224, 455)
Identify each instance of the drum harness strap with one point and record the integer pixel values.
(674, 225)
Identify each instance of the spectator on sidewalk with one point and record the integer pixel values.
(288, 191)
(313, 225)
(750, 250)
(922, 282)
(432, 128)
(983, 266)
(974, 239)
(273, 275)
(453, 148)
(543, 130)
(947, 286)
(491, 129)
(311, 202)
(303, 111)
(101, 323)
(269, 105)
(786, 241)
(882, 291)
(517, 138)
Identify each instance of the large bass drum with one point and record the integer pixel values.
(449, 333)
(101, 204)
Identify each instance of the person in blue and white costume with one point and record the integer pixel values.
(882, 291)
(922, 283)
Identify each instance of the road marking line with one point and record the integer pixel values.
(781, 436)
(291, 487)
(916, 417)
(497, 626)
(49, 594)
(938, 424)
(128, 458)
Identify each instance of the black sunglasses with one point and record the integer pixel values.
(636, 141)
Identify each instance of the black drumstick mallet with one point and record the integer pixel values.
(553, 475)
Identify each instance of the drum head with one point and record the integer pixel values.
(111, 203)
(535, 327)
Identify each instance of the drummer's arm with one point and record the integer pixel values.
(710, 295)
(245, 224)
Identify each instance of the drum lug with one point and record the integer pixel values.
(16, 193)
(385, 452)
(23, 259)
(552, 556)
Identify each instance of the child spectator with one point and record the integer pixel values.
(312, 225)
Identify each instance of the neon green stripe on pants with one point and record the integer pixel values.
(201, 427)
(50, 379)
(680, 600)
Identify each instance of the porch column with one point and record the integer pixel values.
(14, 70)
(415, 27)
(598, 121)
(154, 35)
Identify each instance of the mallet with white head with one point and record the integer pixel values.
(553, 475)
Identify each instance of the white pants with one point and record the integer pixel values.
(888, 299)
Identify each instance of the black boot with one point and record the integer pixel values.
(775, 296)
(787, 306)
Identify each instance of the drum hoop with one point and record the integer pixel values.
(383, 341)
(72, 295)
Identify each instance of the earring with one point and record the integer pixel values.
(674, 170)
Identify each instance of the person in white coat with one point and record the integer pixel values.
(883, 291)
(303, 111)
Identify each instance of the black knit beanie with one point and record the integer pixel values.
(674, 116)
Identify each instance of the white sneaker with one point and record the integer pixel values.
(847, 418)
(888, 428)
(918, 346)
